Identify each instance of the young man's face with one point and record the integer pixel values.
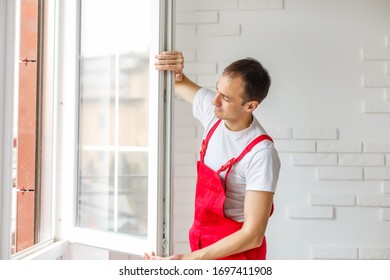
(228, 101)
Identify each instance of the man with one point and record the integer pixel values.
(238, 167)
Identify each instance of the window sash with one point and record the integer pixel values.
(7, 85)
(68, 116)
(61, 79)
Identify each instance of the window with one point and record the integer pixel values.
(121, 156)
(100, 149)
(114, 116)
(25, 130)
(32, 133)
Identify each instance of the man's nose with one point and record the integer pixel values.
(217, 99)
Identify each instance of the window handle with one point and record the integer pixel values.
(26, 60)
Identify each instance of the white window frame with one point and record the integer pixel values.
(158, 238)
(7, 60)
(9, 57)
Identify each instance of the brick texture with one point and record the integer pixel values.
(336, 253)
(353, 173)
(310, 212)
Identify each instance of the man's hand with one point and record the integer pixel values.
(153, 256)
(173, 61)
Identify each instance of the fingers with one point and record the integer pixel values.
(169, 55)
(179, 77)
(170, 60)
(175, 257)
(152, 256)
(146, 256)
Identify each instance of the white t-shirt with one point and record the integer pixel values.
(258, 170)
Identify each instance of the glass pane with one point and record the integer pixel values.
(133, 109)
(97, 120)
(132, 192)
(114, 98)
(96, 191)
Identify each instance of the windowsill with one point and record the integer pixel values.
(49, 250)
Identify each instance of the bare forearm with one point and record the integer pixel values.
(237, 242)
(186, 89)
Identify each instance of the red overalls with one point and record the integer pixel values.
(210, 223)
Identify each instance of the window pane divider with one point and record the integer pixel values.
(116, 152)
(115, 148)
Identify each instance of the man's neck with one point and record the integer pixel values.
(240, 124)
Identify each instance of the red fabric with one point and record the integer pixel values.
(210, 223)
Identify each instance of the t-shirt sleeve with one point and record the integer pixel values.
(203, 108)
(262, 172)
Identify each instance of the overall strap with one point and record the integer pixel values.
(247, 149)
(205, 141)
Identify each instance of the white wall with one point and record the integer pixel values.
(328, 111)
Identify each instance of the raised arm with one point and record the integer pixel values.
(174, 61)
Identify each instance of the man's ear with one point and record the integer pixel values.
(251, 105)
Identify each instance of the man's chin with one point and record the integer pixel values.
(217, 113)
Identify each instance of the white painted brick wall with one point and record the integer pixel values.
(376, 54)
(220, 29)
(189, 55)
(310, 212)
(202, 5)
(184, 196)
(377, 81)
(208, 80)
(196, 17)
(185, 31)
(315, 133)
(340, 173)
(189, 144)
(187, 183)
(385, 214)
(361, 160)
(188, 131)
(280, 132)
(373, 200)
(295, 145)
(334, 252)
(376, 147)
(185, 158)
(333, 199)
(261, 4)
(386, 187)
(314, 159)
(374, 253)
(181, 237)
(339, 146)
(183, 113)
(205, 68)
(185, 170)
(341, 162)
(377, 173)
(376, 107)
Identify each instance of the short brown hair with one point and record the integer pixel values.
(254, 76)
